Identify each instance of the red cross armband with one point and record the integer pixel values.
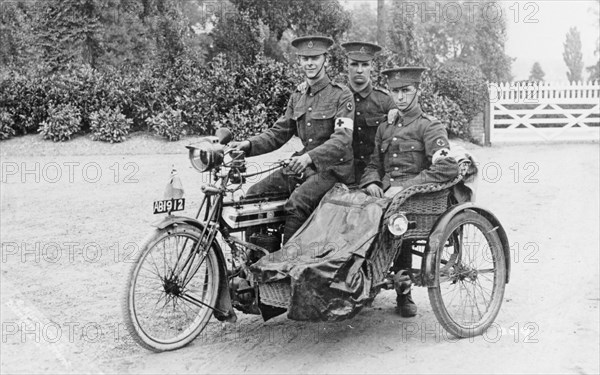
(344, 123)
(440, 154)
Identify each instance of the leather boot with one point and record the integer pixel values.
(405, 305)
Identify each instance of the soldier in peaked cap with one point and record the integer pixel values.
(372, 104)
(321, 114)
(414, 150)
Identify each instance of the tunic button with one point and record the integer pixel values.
(359, 128)
(391, 179)
(362, 157)
(399, 125)
(323, 116)
(358, 113)
(310, 108)
(381, 150)
(310, 139)
(361, 142)
(412, 147)
(377, 122)
(395, 168)
(342, 159)
(308, 124)
(394, 139)
(395, 155)
(357, 99)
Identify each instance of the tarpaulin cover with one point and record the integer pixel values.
(323, 260)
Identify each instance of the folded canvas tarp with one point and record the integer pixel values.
(323, 261)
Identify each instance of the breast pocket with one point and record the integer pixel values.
(322, 121)
(297, 115)
(413, 153)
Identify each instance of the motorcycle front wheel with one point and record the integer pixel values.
(172, 288)
(471, 276)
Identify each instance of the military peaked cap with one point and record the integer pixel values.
(400, 77)
(312, 45)
(361, 51)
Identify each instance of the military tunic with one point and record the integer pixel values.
(403, 153)
(322, 117)
(372, 106)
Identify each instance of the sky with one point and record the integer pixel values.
(536, 31)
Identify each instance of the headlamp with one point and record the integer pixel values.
(206, 154)
(398, 224)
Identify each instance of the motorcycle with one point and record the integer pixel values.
(193, 268)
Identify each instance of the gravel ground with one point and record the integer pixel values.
(72, 214)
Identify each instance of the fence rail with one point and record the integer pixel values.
(527, 112)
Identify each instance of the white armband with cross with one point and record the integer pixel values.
(442, 153)
(344, 122)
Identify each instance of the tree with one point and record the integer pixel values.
(433, 33)
(69, 31)
(594, 70)
(536, 74)
(572, 55)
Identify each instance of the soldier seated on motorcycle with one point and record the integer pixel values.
(321, 114)
(411, 151)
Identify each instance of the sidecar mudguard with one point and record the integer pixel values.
(435, 235)
(224, 309)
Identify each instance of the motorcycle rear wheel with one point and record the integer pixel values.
(166, 307)
(470, 272)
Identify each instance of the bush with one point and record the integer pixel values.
(6, 125)
(168, 124)
(109, 125)
(63, 121)
(463, 84)
(448, 112)
(25, 98)
(245, 123)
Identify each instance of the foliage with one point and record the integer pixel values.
(109, 125)
(463, 84)
(6, 125)
(25, 98)
(303, 17)
(572, 55)
(447, 112)
(63, 122)
(536, 74)
(237, 36)
(418, 35)
(168, 124)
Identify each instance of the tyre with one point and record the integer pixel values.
(470, 270)
(170, 291)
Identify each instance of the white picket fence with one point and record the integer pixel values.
(532, 111)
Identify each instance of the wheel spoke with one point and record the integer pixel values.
(167, 310)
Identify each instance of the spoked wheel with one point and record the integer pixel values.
(171, 289)
(471, 276)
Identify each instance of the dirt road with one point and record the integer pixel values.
(71, 217)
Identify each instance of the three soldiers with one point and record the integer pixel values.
(384, 157)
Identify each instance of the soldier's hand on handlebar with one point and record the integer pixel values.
(298, 164)
(240, 146)
(374, 190)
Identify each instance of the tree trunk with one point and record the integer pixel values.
(381, 23)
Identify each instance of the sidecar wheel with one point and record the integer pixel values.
(470, 276)
(169, 291)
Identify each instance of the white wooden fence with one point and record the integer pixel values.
(541, 111)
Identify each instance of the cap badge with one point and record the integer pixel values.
(310, 44)
(362, 49)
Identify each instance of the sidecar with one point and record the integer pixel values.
(341, 257)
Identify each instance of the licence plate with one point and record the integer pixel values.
(169, 205)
